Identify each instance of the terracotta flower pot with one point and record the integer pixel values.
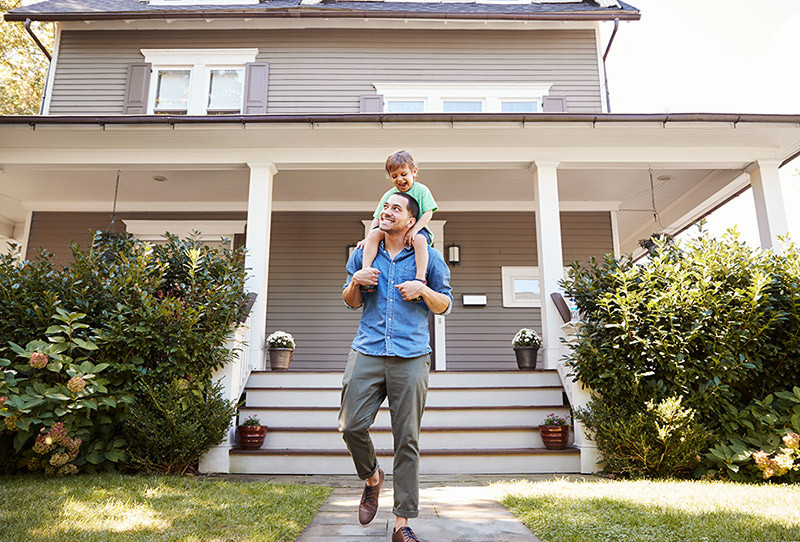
(526, 357)
(251, 437)
(279, 358)
(554, 437)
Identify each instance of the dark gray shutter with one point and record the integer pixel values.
(138, 86)
(372, 103)
(554, 104)
(256, 82)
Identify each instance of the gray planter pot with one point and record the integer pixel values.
(279, 358)
(526, 357)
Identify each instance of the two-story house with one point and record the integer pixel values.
(268, 122)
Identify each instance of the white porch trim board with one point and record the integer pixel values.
(550, 257)
(768, 199)
(259, 223)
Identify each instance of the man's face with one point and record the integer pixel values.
(403, 177)
(395, 215)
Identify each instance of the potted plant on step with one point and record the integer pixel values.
(526, 347)
(251, 433)
(555, 431)
(281, 346)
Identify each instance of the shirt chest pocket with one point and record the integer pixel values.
(405, 270)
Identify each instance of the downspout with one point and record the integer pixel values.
(605, 71)
(39, 43)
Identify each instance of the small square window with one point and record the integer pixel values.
(225, 90)
(462, 106)
(405, 106)
(172, 90)
(521, 287)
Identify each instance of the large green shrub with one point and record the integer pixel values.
(163, 311)
(173, 422)
(712, 322)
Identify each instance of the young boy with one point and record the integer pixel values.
(402, 170)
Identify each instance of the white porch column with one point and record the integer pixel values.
(768, 198)
(550, 257)
(259, 222)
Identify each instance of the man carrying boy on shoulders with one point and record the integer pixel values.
(390, 357)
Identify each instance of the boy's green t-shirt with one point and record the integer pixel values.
(419, 192)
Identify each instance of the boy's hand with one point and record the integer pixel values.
(409, 238)
(361, 244)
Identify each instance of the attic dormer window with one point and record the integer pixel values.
(197, 81)
(462, 97)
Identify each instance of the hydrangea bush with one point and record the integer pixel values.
(57, 399)
(124, 310)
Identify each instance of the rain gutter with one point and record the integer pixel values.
(605, 70)
(36, 39)
(732, 118)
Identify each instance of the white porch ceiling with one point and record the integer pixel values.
(339, 166)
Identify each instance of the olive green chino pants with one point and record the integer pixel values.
(368, 380)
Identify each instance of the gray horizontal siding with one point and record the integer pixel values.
(325, 71)
(306, 274)
(479, 338)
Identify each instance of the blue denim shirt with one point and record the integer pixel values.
(391, 326)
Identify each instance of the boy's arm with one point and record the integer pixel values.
(421, 223)
(372, 226)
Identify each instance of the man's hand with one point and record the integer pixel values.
(366, 277)
(411, 289)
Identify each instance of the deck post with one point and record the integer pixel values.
(259, 222)
(768, 198)
(550, 258)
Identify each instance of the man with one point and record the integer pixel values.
(390, 357)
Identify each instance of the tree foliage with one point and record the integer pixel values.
(23, 66)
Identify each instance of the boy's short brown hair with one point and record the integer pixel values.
(398, 159)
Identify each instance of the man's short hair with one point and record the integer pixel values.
(413, 206)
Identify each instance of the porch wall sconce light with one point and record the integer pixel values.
(454, 254)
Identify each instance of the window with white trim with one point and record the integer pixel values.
(197, 81)
(462, 97)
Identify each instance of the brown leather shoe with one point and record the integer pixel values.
(369, 500)
(404, 534)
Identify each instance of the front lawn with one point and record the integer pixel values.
(113, 507)
(658, 511)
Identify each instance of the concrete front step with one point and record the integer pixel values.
(337, 461)
(448, 396)
(433, 438)
(291, 379)
(480, 416)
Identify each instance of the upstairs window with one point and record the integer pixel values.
(197, 81)
(462, 98)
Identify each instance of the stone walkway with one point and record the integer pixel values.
(453, 508)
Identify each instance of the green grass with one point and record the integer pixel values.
(657, 511)
(113, 507)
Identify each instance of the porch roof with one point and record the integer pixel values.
(66, 10)
(334, 162)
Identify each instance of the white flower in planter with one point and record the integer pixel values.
(280, 339)
(526, 337)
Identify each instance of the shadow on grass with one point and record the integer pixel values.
(114, 507)
(603, 519)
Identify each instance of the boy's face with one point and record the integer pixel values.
(403, 177)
